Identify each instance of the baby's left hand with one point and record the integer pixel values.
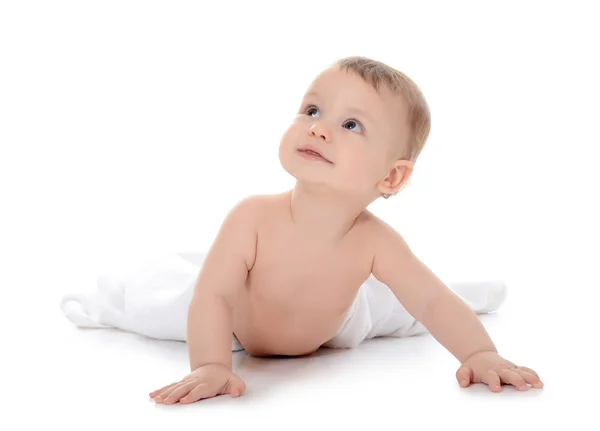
(493, 370)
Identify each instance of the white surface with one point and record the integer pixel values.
(132, 127)
(88, 378)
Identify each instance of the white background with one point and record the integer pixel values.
(130, 128)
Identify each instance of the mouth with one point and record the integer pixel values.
(312, 153)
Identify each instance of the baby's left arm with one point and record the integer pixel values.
(447, 318)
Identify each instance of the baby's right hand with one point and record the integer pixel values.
(205, 382)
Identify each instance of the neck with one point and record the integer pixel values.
(320, 212)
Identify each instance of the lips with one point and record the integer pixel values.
(309, 149)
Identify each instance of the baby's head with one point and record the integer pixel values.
(369, 122)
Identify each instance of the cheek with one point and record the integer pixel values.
(290, 140)
(355, 164)
(292, 135)
(362, 166)
(365, 157)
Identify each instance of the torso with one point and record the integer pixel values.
(298, 291)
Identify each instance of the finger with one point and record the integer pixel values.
(163, 395)
(529, 370)
(464, 376)
(180, 392)
(236, 387)
(493, 381)
(201, 391)
(530, 378)
(164, 388)
(513, 378)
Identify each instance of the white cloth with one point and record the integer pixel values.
(152, 299)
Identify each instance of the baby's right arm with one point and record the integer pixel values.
(223, 274)
(210, 327)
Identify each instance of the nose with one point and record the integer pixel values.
(319, 131)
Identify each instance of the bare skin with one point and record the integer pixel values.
(285, 268)
(300, 286)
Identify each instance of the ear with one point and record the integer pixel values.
(398, 176)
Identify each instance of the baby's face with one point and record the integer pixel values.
(353, 126)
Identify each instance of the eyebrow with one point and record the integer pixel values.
(357, 111)
(362, 113)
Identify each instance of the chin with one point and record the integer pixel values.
(300, 171)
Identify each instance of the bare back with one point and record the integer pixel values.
(298, 290)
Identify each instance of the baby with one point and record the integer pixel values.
(285, 269)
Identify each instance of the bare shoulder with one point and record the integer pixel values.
(395, 265)
(378, 229)
(387, 244)
(249, 208)
(238, 233)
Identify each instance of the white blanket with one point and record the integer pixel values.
(152, 299)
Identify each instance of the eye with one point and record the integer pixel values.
(312, 111)
(353, 125)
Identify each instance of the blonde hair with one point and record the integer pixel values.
(377, 74)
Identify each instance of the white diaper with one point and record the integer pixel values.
(376, 312)
(152, 299)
